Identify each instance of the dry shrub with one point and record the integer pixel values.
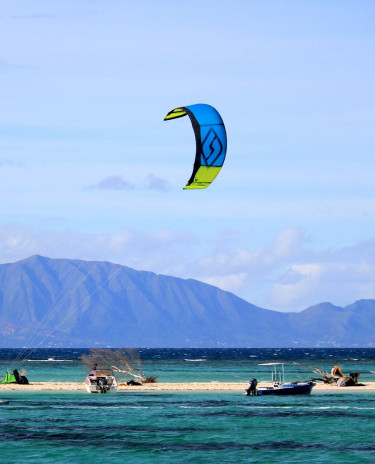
(122, 360)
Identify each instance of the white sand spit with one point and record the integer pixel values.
(175, 387)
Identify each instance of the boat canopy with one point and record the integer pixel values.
(100, 372)
(271, 364)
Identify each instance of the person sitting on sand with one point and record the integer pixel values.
(355, 376)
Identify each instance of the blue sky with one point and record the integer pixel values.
(90, 170)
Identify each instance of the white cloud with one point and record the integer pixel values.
(113, 183)
(340, 277)
(119, 183)
(156, 183)
(232, 282)
(162, 252)
(257, 261)
(289, 275)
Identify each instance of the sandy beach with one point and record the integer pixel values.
(175, 387)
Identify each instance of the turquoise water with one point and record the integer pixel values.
(195, 427)
(195, 365)
(210, 427)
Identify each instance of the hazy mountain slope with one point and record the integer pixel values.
(64, 302)
(328, 325)
(85, 303)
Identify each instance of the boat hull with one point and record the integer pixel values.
(97, 389)
(303, 388)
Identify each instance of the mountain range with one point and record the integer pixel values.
(73, 303)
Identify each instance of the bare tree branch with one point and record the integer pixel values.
(326, 376)
(122, 360)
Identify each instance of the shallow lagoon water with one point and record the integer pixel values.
(210, 427)
(195, 365)
(194, 427)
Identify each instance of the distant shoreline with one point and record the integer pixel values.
(173, 387)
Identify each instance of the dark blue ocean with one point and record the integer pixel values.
(212, 427)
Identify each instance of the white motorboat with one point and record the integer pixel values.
(101, 381)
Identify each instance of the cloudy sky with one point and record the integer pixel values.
(89, 169)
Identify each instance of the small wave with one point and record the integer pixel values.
(49, 360)
(330, 407)
(195, 360)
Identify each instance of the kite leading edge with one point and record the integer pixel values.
(211, 142)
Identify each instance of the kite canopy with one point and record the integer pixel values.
(211, 142)
(15, 377)
(9, 378)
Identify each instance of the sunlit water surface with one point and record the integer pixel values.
(64, 427)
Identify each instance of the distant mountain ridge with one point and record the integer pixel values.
(73, 303)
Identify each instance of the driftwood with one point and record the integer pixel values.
(325, 376)
(126, 361)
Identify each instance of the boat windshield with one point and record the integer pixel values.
(101, 373)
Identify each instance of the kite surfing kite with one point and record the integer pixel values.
(211, 142)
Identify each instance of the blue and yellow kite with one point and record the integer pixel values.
(211, 142)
